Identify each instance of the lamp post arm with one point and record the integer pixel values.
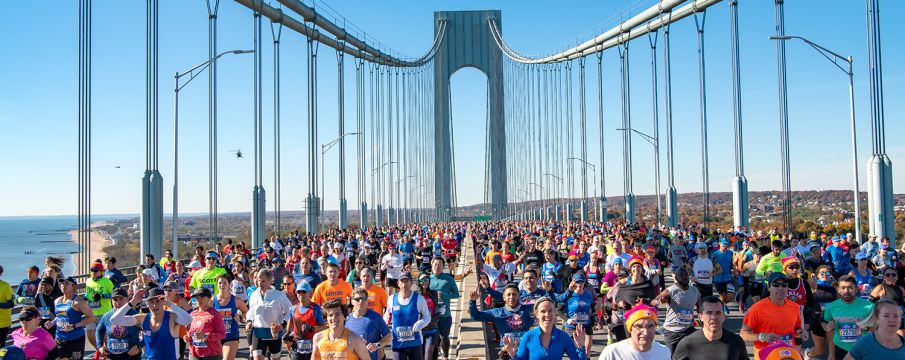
(827, 53)
(198, 69)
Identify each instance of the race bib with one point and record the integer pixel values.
(849, 332)
(405, 333)
(703, 275)
(787, 339)
(117, 346)
(94, 304)
(684, 316)
(199, 343)
(582, 318)
(304, 346)
(593, 282)
(45, 312)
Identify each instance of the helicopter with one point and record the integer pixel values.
(238, 153)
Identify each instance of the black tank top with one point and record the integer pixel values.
(893, 293)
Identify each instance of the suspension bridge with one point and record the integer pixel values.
(400, 127)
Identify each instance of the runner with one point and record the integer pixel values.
(306, 319)
(304, 273)
(545, 340)
(72, 316)
(409, 314)
(118, 342)
(702, 269)
(511, 321)
(159, 327)
(392, 264)
(28, 288)
(45, 302)
(682, 300)
(332, 288)
(843, 316)
(430, 333)
(889, 289)
(377, 296)
(207, 328)
(883, 342)
(579, 304)
(207, 276)
(445, 285)
(864, 276)
(34, 341)
(723, 280)
(712, 341)
(98, 291)
(769, 320)
(368, 324)
(338, 342)
(268, 311)
(641, 324)
(824, 293)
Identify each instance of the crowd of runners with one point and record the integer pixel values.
(546, 289)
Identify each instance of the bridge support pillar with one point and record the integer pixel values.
(740, 202)
(602, 203)
(363, 213)
(570, 209)
(583, 211)
(258, 216)
(672, 207)
(630, 208)
(378, 217)
(312, 213)
(343, 220)
(391, 216)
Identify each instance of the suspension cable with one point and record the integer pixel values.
(702, 83)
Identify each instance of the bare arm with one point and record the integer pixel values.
(88, 314)
(747, 334)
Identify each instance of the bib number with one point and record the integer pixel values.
(405, 333)
(849, 332)
(304, 346)
(45, 312)
(684, 316)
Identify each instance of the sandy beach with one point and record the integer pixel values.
(97, 243)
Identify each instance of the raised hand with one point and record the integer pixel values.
(579, 336)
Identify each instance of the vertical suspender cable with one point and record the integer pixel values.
(603, 200)
(582, 121)
(276, 30)
(783, 117)
(212, 8)
(313, 203)
(672, 196)
(84, 141)
(652, 37)
(359, 143)
(340, 89)
(571, 139)
(702, 84)
(259, 209)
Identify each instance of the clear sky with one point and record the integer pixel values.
(38, 97)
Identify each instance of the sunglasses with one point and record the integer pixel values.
(794, 267)
(824, 273)
(780, 284)
(359, 299)
(891, 275)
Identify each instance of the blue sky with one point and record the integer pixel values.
(38, 97)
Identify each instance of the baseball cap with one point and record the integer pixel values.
(155, 292)
(150, 272)
(700, 246)
(47, 280)
(69, 279)
(578, 277)
(119, 293)
(884, 246)
(777, 276)
(195, 264)
(405, 276)
(724, 241)
(202, 292)
(303, 286)
(424, 278)
(211, 254)
(861, 256)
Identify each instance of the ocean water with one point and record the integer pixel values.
(26, 241)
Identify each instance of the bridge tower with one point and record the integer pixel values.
(468, 43)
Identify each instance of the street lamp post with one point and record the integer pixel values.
(655, 142)
(835, 58)
(543, 203)
(342, 180)
(192, 73)
(402, 208)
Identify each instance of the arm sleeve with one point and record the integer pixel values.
(573, 352)
(219, 328)
(182, 317)
(425, 315)
(453, 288)
(100, 332)
(477, 314)
(119, 317)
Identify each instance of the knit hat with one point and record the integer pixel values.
(779, 350)
(787, 261)
(639, 312)
(635, 261)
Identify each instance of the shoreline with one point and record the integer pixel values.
(96, 243)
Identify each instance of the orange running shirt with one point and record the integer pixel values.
(337, 349)
(766, 317)
(325, 291)
(377, 299)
